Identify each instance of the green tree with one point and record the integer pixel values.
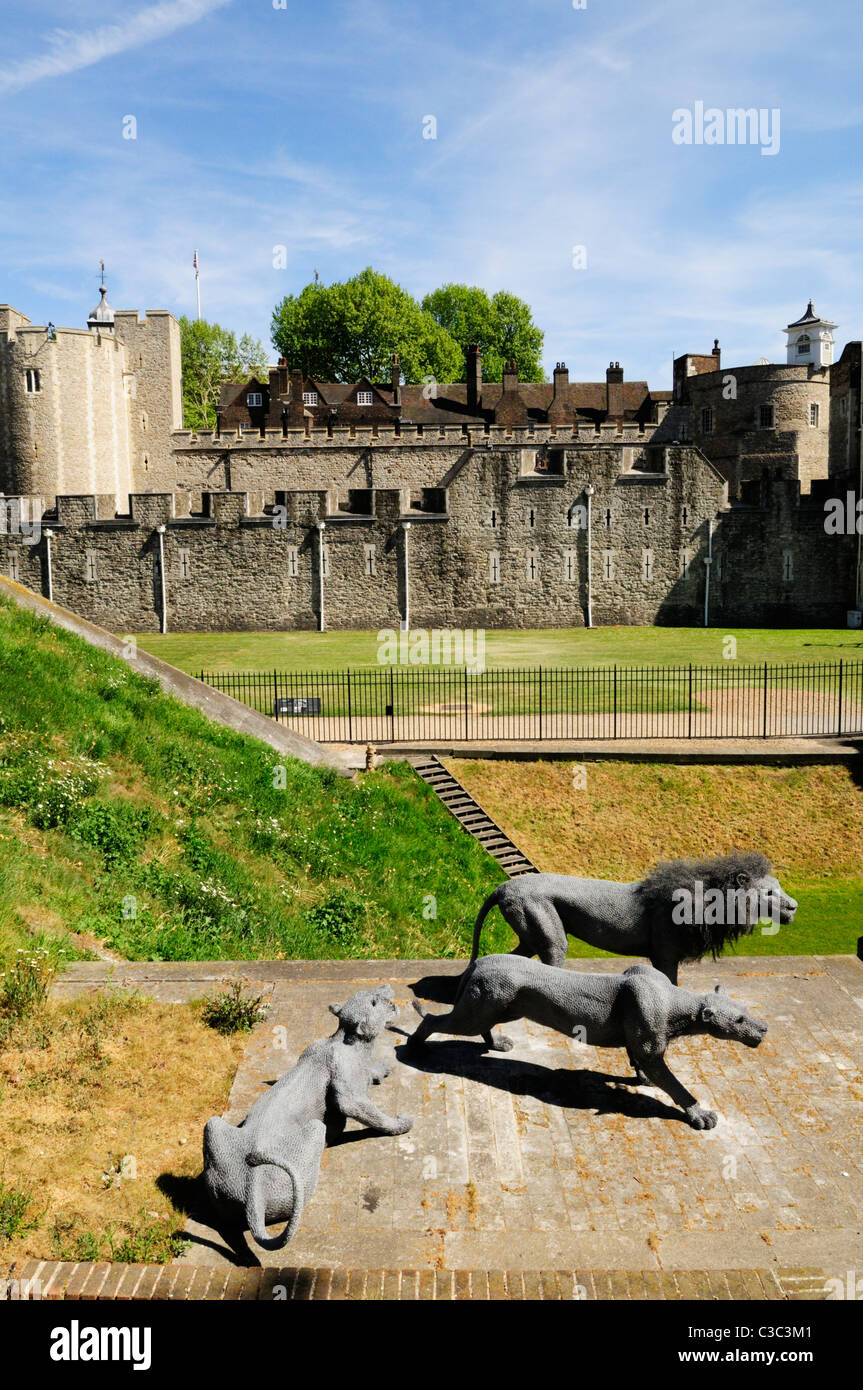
(501, 325)
(211, 355)
(350, 330)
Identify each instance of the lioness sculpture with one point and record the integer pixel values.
(266, 1169)
(726, 897)
(638, 1010)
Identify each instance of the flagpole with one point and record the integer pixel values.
(198, 285)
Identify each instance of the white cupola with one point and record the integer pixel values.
(810, 340)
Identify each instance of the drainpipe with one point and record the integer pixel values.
(406, 625)
(588, 492)
(321, 526)
(708, 561)
(48, 533)
(163, 611)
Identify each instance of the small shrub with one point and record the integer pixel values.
(339, 917)
(14, 1207)
(117, 828)
(233, 1011)
(24, 984)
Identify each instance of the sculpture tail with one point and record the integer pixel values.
(256, 1213)
(490, 902)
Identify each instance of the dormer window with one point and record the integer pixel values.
(310, 398)
(365, 398)
(254, 398)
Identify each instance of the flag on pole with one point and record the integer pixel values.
(197, 282)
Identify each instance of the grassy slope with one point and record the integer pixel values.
(808, 821)
(128, 818)
(329, 651)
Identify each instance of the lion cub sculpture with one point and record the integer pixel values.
(639, 1010)
(266, 1169)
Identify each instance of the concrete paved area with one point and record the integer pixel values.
(541, 1159)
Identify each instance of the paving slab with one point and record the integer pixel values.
(543, 1159)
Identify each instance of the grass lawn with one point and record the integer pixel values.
(103, 1103)
(333, 651)
(807, 820)
(130, 820)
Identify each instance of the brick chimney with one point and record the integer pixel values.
(717, 352)
(282, 370)
(614, 391)
(559, 410)
(474, 378)
(510, 409)
(397, 380)
(297, 415)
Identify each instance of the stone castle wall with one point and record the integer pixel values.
(506, 548)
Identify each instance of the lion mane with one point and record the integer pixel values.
(743, 870)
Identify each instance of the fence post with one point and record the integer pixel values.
(350, 711)
(689, 730)
(614, 723)
(764, 732)
(275, 695)
(392, 707)
(841, 669)
(540, 704)
(466, 726)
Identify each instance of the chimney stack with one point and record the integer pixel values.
(614, 391)
(396, 380)
(559, 410)
(474, 378)
(297, 414)
(511, 409)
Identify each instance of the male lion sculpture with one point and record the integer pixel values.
(266, 1169)
(638, 1010)
(726, 897)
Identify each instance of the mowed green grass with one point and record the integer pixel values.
(629, 816)
(605, 646)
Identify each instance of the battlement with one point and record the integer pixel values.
(411, 435)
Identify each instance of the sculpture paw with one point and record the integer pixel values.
(402, 1124)
(503, 1044)
(700, 1118)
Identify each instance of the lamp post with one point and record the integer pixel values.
(49, 578)
(708, 562)
(588, 492)
(163, 610)
(406, 624)
(321, 525)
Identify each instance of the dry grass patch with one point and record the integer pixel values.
(807, 820)
(102, 1100)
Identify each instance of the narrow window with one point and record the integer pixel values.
(787, 566)
(570, 565)
(765, 417)
(90, 562)
(531, 518)
(493, 520)
(608, 516)
(814, 413)
(369, 552)
(685, 562)
(293, 562)
(185, 564)
(608, 564)
(707, 420)
(685, 514)
(647, 516)
(494, 567)
(325, 561)
(13, 567)
(646, 565)
(34, 379)
(532, 565)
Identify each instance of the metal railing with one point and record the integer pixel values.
(396, 704)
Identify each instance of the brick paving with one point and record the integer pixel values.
(538, 1170)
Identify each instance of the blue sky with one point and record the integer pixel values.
(302, 127)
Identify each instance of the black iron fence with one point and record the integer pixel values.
(428, 704)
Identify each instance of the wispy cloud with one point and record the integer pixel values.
(69, 52)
